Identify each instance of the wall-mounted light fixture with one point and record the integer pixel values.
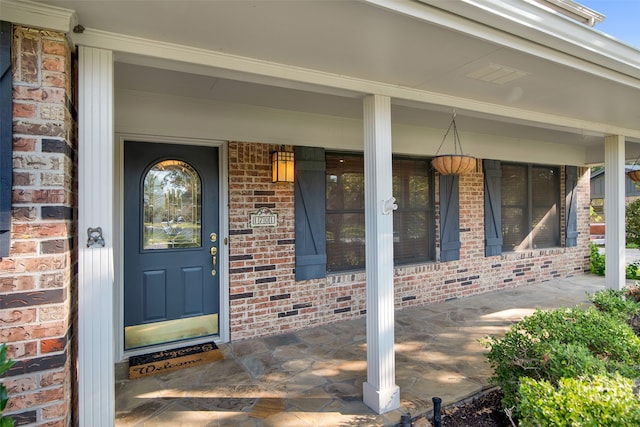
(282, 166)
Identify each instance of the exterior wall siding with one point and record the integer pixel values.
(37, 280)
(265, 299)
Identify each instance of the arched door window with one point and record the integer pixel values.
(172, 206)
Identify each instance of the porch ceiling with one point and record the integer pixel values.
(377, 43)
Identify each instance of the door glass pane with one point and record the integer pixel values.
(172, 206)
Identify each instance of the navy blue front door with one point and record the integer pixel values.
(171, 285)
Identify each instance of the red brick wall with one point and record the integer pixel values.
(265, 299)
(37, 295)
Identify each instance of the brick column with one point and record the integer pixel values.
(37, 280)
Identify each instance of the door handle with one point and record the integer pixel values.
(214, 259)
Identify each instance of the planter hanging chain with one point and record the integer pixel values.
(456, 137)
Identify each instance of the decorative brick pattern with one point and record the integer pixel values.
(266, 299)
(37, 283)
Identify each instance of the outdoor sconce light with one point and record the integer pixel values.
(282, 166)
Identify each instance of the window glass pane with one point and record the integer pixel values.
(514, 185)
(514, 228)
(545, 221)
(345, 241)
(419, 191)
(411, 233)
(172, 206)
(413, 221)
(345, 182)
(514, 207)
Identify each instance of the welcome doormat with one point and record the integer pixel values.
(170, 360)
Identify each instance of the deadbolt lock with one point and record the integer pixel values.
(213, 237)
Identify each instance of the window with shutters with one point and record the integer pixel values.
(530, 204)
(413, 221)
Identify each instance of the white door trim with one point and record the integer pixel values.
(223, 271)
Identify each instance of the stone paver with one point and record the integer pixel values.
(314, 377)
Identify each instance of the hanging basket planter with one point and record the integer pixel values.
(634, 175)
(456, 163)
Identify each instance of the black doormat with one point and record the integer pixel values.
(171, 360)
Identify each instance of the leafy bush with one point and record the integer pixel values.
(5, 365)
(632, 216)
(598, 401)
(551, 345)
(633, 270)
(596, 260)
(615, 303)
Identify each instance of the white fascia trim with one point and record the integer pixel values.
(200, 61)
(38, 15)
(531, 28)
(591, 16)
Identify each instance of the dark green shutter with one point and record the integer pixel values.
(6, 119)
(449, 218)
(571, 204)
(311, 256)
(492, 208)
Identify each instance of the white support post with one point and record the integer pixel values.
(614, 210)
(380, 392)
(95, 263)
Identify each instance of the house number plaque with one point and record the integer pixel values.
(265, 217)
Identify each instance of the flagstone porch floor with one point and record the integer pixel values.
(314, 377)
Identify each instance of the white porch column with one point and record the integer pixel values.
(95, 263)
(614, 210)
(380, 391)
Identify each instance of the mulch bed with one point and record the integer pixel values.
(483, 410)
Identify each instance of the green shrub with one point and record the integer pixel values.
(615, 303)
(5, 365)
(594, 402)
(596, 260)
(632, 270)
(550, 345)
(632, 217)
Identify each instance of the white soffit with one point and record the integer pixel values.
(529, 27)
(498, 74)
